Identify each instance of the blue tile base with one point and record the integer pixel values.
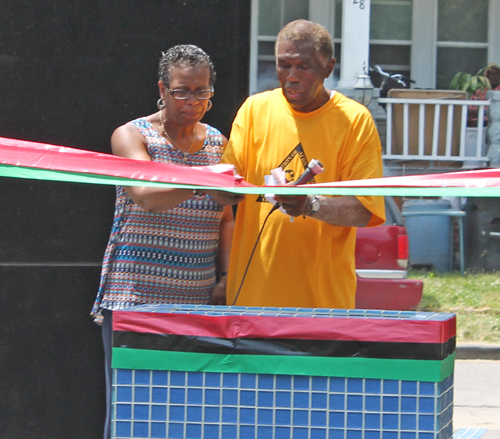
(196, 405)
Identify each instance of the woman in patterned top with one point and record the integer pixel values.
(167, 245)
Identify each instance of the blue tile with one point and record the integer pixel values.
(124, 429)
(193, 431)
(372, 434)
(265, 399)
(408, 404)
(158, 430)
(300, 417)
(229, 397)
(320, 384)
(354, 420)
(141, 412)
(177, 396)
(266, 381)
(336, 419)
(300, 382)
(142, 377)
(247, 398)
(230, 415)
(247, 381)
(282, 433)
(408, 422)
(176, 413)
(141, 394)
(141, 429)
(391, 386)
(265, 417)
(283, 382)
(124, 411)
(319, 401)
(372, 420)
(318, 433)
(426, 422)
(390, 403)
(354, 403)
(390, 422)
(373, 386)
(212, 397)
(211, 431)
(283, 399)
(124, 394)
(175, 430)
(408, 435)
(230, 380)
(212, 379)
(177, 378)
(300, 433)
(264, 432)
(159, 395)
(426, 388)
(337, 402)
(409, 387)
(301, 400)
(195, 379)
(212, 414)
(318, 418)
(426, 405)
(283, 417)
(247, 432)
(228, 432)
(372, 403)
(160, 377)
(158, 412)
(247, 416)
(337, 384)
(195, 396)
(194, 414)
(425, 435)
(389, 435)
(354, 434)
(336, 434)
(123, 376)
(354, 385)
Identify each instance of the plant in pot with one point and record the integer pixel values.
(476, 87)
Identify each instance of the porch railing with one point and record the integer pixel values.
(434, 130)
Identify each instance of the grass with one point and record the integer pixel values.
(474, 298)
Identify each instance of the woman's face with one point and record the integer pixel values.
(191, 110)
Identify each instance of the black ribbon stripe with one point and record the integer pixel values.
(295, 347)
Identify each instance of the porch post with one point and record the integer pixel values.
(355, 40)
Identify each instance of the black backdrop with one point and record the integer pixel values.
(70, 73)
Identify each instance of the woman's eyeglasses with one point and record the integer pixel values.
(185, 94)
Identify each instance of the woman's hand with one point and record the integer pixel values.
(218, 296)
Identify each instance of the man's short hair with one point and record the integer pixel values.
(183, 55)
(305, 30)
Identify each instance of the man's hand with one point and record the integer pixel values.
(224, 198)
(295, 205)
(218, 296)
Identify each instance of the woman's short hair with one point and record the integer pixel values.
(183, 55)
(305, 30)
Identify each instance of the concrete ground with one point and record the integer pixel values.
(477, 395)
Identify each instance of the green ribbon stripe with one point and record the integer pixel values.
(349, 367)
(76, 177)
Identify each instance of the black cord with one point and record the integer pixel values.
(253, 251)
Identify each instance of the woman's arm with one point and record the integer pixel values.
(128, 142)
(223, 253)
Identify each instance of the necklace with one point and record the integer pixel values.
(172, 142)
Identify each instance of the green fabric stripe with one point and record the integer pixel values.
(351, 367)
(75, 177)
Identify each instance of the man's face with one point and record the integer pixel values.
(301, 71)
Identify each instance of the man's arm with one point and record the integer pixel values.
(338, 211)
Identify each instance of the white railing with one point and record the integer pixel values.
(434, 130)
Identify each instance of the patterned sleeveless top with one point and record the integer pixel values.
(162, 257)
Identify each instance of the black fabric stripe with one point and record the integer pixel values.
(297, 347)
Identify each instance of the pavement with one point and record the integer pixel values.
(476, 412)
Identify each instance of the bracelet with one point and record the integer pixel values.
(221, 275)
